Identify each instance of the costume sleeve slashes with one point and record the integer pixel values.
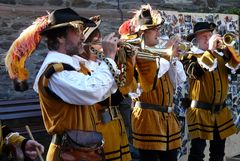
(192, 67)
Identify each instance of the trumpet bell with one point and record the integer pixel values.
(229, 39)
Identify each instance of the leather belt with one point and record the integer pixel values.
(207, 106)
(155, 107)
(57, 139)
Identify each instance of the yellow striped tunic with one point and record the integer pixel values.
(211, 88)
(154, 130)
(59, 117)
(74, 117)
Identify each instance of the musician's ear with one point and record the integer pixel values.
(61, 40)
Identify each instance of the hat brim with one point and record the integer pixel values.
(89, 30)
(146, 27)
(149, 26)
(84, 21)
(190, 37)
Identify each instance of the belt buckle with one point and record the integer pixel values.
(169, 109)
(193, 104)
(114, 112)
(216, 108)
(213, 109)
(106, 116)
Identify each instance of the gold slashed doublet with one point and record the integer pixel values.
(152, 129)
(59, 116)
(211, 88)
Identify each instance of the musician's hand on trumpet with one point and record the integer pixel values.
(173, 45)
(220, 46)
(109, 45)
(213, 43)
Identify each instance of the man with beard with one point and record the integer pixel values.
(67, 93)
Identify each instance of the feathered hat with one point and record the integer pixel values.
(89, 30)
(65, 17)
(201, 27)
(28, 40)
(145, 18)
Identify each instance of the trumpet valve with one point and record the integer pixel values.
(183, 47)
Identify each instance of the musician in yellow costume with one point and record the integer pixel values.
(208, 117)
(110, 122)
(67, 92)
(19, 147)
(156, 130)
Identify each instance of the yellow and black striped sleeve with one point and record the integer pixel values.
(192, 67)
(14, 139)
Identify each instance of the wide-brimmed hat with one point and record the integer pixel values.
(145, 18)
(201, 27)
(89, 30)
(65, 17)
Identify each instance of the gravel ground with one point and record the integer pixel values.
(232, 148)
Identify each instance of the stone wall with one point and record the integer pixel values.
(16, 15)
(130, 4)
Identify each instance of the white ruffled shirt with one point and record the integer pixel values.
(74, 87)
(175, 71)
(196, 50)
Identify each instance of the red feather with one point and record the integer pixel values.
(125, 28)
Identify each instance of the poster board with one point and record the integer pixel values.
(182, 23)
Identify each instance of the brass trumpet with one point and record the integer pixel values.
(166, 52)
(145, 52)
(152, 53)
(229, 39)
(185, 46)
(136, 41)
